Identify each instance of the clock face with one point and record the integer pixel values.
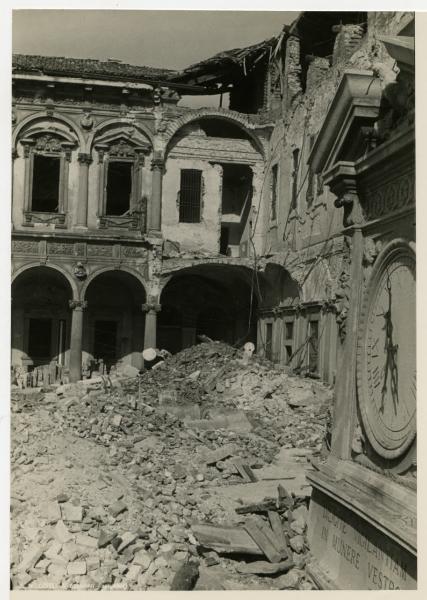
(387, 352)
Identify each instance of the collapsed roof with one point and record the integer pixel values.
(224, 68)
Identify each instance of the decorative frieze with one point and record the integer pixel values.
(25, 246)
(134, 252)
(394, 196)
(100, 250)
(127, 222)
(61, 248)
(46, 218)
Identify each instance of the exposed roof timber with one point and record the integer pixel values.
(226, 66)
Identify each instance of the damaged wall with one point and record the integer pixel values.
(307, 222)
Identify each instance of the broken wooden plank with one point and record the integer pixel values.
(258, 507)
(261, 567)
(226, 539)
(277, 527)
(262, 540)
(218, 454)
(269, 533)
(244, 470)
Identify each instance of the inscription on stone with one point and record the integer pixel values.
(353, 554)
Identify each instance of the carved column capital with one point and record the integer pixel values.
(151, 307)
(77, 304)
(27, 144)
(84, 158)
(67, 148)
(14, 153)
(101, 149)
(157, 163)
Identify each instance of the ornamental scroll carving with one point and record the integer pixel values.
(63, 248)
(394, 196)
(371, 250)
(25, 246)
(48, 143)
(99, 250)
(343, 291)
(122, 149)
(134, 252)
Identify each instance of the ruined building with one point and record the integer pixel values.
(138, 221)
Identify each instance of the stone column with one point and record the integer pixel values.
(77, 306)
(151, 309)
(155, 224)
(84, 160)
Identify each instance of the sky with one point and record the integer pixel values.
(169, 39)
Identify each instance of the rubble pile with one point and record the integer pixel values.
(112, 479)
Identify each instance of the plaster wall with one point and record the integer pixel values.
(203, 236)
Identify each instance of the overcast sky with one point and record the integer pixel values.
(170, 39)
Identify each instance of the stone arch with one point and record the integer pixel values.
(208, 113)
(114, 318)
(126, 269)
(245, 268)
(72, 283)
(214, 298)
(26, 123)
(119, 128)
(279, 286)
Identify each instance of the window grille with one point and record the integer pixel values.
(190, 196)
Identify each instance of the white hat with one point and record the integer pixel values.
(149, 354)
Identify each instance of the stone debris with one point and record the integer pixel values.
(116, 489)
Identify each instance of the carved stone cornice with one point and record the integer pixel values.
(77, 304)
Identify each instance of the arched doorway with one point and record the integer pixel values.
(216, 300)
(114, 321)
(216, 323)
(41, 321)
